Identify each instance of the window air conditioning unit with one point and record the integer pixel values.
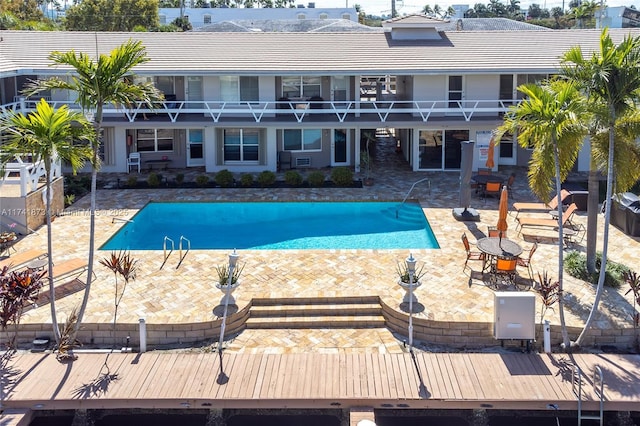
(303, 162)
(514, 315)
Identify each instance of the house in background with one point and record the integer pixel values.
(234, 100)
(201, 17)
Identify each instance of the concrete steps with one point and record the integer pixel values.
(340, 312)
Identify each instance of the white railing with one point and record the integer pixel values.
(384, 110)
(28, 173)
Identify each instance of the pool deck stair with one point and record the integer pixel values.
(339, 312)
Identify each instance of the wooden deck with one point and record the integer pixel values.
(428, 380)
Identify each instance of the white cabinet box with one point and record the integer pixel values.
(514, 315)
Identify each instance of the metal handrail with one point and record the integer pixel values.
(409, 192)
(182, 238)
(164, 247)
(119, 219)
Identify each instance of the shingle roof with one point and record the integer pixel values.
(206, 53)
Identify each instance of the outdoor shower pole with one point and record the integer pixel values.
(233, 260)
(411, 267)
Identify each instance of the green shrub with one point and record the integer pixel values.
(132, 181)
(202, 180)
(153, 180)
(575, 263)
(69, 199)
(224, 178)
(266, 178)
(246, 179)
(77, 185)
(179, 178)
(316, 178)
(342, 176)
(291, 177)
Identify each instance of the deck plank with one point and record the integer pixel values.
(466, 379)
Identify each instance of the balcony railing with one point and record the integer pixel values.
(383, 111)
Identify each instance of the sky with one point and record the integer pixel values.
(383, 7)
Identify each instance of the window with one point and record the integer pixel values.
(154, 140)
(346, 16)
(165, 84)
(302, 140)
(300, 87)
(163, 19)
(241, 145)
(528, 78)
(323, 16)
(234, 88)
(302, 16)
(207, 19)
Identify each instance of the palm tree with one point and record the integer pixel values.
(610, 77)
(107, 80)
(49, 135)
(550, 120)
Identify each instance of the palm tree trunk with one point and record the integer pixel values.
(592, 215)
(563, 325)
(92, 218)
(607, 220)
(52, 293)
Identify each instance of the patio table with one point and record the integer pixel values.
(494, 246)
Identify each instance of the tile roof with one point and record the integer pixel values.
(277, 53)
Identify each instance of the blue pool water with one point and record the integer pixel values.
(275, 226)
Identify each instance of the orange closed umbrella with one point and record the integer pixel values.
(489, 163)
(503, 209)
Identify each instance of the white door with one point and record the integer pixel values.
(195, 147)
(340, 147)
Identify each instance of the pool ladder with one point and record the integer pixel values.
(598, 390)
(169, 244)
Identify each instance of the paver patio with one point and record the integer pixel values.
(187, 294)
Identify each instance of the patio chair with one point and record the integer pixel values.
(553, 204)
(526, 261)
(510, 182)
(552, 223)
(503, 271)
(481, 171)
(133, 160)
(492, 232)
(471, 255)
(492, 188)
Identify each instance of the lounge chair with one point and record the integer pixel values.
(68, 268)
(21, 259)
(552, 205)
(553, 223)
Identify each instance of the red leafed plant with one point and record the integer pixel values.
(17, 290)
(549, 293)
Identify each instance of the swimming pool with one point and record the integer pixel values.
(275, 226)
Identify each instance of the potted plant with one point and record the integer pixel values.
(223, 282)
(403, 280)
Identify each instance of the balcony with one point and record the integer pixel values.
(382, 111)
